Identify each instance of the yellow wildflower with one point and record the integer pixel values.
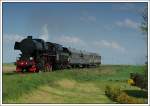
(131, 82)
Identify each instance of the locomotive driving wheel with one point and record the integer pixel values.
(48, 67)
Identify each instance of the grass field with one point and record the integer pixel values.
(68, 86)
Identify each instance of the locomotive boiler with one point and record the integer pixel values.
(38, 55)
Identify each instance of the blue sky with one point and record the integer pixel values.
(110, 29)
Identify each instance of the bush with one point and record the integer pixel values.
(124, 98)
(112, 92)
(116, 94)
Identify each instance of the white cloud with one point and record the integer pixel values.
(45, 33)
(8, 38)
(8, 47)
(128, 23)
(104, 43)
(69, 40)
(108, 44)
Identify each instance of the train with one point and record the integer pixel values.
(39, 55)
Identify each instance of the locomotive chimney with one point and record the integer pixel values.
(17, 46)
(29, 37)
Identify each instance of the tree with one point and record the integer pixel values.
(144, 28)
(144, 25)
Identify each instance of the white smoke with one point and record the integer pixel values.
(11, 38)
(44, 33)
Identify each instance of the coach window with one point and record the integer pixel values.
(81, 55)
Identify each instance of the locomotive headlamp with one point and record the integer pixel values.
(31, 58)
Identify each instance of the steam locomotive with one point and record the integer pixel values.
(38, 55)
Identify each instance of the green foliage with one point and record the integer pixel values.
(144, 26)
(118, 95)
(125, 99)
(141, 79)
(112, 92)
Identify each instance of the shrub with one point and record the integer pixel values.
(116, 94)
(112, 92)
(139, 80)
(124, 98)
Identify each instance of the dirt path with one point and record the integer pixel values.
(8, 68)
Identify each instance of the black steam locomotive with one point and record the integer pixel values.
(38, 55)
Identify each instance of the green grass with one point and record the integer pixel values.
(67, 86)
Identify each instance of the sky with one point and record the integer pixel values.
(110, 29)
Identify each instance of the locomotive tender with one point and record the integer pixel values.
(38, 55)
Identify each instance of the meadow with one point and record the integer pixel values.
(84, 85)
